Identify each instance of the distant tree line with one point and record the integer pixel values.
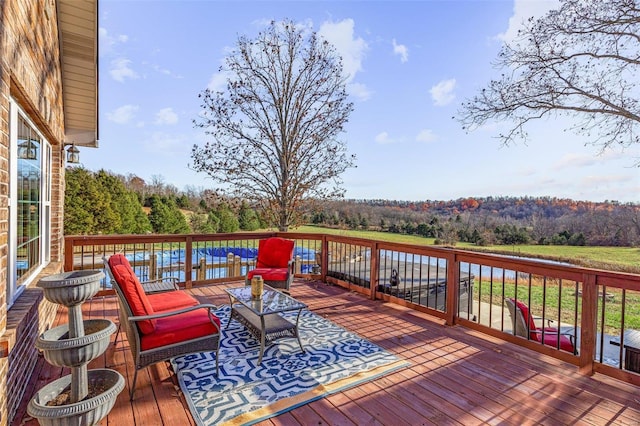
(105, 203)
(492, 220)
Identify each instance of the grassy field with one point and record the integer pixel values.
(493, 293)
(624, 259)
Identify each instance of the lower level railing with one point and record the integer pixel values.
(587, 317)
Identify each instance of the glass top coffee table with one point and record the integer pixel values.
(262, 316)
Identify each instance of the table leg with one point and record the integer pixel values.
(262, 338)
(230, 313)
(298, 331)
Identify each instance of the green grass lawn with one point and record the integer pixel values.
(487, 292)
(624, 259)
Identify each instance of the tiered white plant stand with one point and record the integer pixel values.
(85, 396)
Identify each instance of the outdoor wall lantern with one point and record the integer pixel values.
(73, 155)
(27, 150)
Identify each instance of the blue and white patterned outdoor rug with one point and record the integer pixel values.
(246, 393)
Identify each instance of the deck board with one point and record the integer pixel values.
(457, 376)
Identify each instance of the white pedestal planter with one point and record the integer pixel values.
(83, 397)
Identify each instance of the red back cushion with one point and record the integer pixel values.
(118, 259)
(527, 315)
(135, 295)
(274, 252)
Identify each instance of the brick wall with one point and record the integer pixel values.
(30, 73)
(4, 230)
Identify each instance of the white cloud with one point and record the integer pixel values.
(164, 143)
(595, 180)
(351, 48)
(218, 81)
(123, 115)
(402, 50)
(588, 159)
(522, 11)
(166, 116)
(384, 139)
(426, 135)
(120, 70)
(166, 71)
(359, 90)
(108, 42)
(442, 93)
(575, 160)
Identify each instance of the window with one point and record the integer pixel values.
(29, 202)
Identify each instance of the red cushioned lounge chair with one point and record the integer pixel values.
(274, 263)
(524, 325)
(156, 329)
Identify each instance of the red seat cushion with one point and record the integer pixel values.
(135, 295)
(270, 274)
(171, 300)
(274, 252)
(551, 339)
(180, 328)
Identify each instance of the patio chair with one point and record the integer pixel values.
(159, 335)
(274, 263)
(524, 325)
(152, 288)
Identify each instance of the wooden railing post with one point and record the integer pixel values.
(324, 265)
(453, 283)
(237, 266)
(69, 244)
(201, 275)
(153, 266)
(188, 262)
(297, 265)
(373, 273)
(588, 323)
(230, 265)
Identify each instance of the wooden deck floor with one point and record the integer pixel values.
(457, 376)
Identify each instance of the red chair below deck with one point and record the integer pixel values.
(274, 263)
(524, 322)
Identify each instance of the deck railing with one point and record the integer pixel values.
(598, 311)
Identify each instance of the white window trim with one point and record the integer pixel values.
(13, 290)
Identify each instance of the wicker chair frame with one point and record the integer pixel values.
(143, 359)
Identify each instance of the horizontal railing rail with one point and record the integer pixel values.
(587, 317)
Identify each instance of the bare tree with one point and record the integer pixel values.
(274, 129)
(579, 61)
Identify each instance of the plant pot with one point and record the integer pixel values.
(71, 288)
(62, 351)
(86, 412)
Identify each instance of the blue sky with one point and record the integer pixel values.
(410, 65)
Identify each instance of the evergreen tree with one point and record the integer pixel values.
(182, 201)
(82, 197)
(204, 223)
(247, 218)
(125, 214)
(165, 217)
(228, 220)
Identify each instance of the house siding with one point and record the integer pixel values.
(30, 73)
